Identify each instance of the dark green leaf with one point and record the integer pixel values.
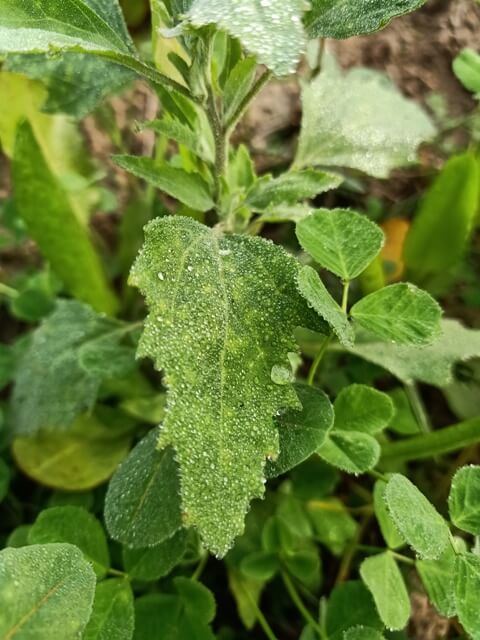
(4, 479)
(350, 451)
(260, 565)
(113, 613)
(333, 525)
(467, 592)
(438, 577)
(341, 615)
(153, 563)
(363, 633)
(464, 499)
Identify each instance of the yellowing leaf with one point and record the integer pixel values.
(222, 314)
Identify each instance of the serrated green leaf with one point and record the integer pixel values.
(222, 310)
(57, 379)
(75, 526)
(301, 432)
(340, 240)
(76, 83)
(78, 460)
(347, 18)
(359, 407)
(350, 451)
(385, 582)
(113, 613)
(400, 312)
(416, 518)
(347, 123)
(390, 533)
(433, 265)
(43, 204)
(464, 499)
(341, 616)
(362, 633)
(153, 563)
(184, 135)
(290, 188)
(316, 294)
(432, 364)
(273, 32)
(189, 188)
(467, 592)
(46, 592)
(466, 67)
(438, 577)
(142, 506)
(183, 615)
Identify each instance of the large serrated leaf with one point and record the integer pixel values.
(346, 18)
(271, 29)
(222, 314)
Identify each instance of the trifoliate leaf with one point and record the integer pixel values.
(112, 614)
(416, 518)
(341, 616)
(60, 374)
(142, 506)
(383, 578)
(432, 364)
(340, 240)
(153, 563)
(222, 315)
(351, 451)
(467, 593)
(347, 18)
(301, 432)
(316, 294)
(46, 592)
(272, 30)
(400, 312)
(359, 407)
(438, 577)
(75, 526)
(464, 499)
(347, 122)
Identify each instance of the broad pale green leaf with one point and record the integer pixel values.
(142, 506)
(400, 312)
(438, 577)
(433, 265)
(350, 451)
(46, 592)
(75, 526)
(290, 187)
(58, 377)
(182, 615)
(467, 593)
(340, 240)
(76, 83)
(189, 188)
(432, 364)
(44, 205)
(346, 18)
(302, 432)
(383, 578)
(272, 30)
(466, 67)
(359, 407)
(341, 615)
(316, 294)
(347, 122)
(416, 518)
(363, 633)
(390, 533)
(113, 613)
(153, 563)
(34, 26)
(222, 314)
(464, 499)
(78, 460)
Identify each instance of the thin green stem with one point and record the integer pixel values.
(116, 572)
(297, 601)
(10, 292)
(200, 567)
(418, 408)
(401, 558)
(243, 106)
(346, 288)
(348, 556)
(317, 360)
(220, 139)
(432, 444)
(377, 475)
(262, 621)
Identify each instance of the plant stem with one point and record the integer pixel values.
(262, 621)
(220, 139)
(348, 556)
(346, 288)
(10, 292)
(318, 359)
(297, 601)
(418, 408)
(401, 558)
(243, 106)
(200, 567)
(431, 444)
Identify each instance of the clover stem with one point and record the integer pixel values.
(346, 288)
(297, 601)
(418, 408)
(10, 292)
(200, 567)
(262, 621)
(317, 360)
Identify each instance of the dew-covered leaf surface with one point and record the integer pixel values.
(222, 311)
(270, 29)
